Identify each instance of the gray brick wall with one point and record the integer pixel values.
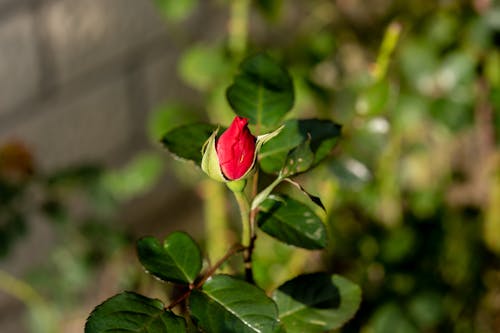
(77, 80)
(19, 72)
(74, 73)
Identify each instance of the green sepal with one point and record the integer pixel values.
(237, 185)
(210, 161)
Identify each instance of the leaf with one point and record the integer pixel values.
(373, 99)
(137, 177)
(315, 199)
(168, 116)
(323, 136)
(177, 260)
(203, 65)
(130, 312)
(292, 222)
(186, 141)
(299, 159)
(176, 10)
(316, 302)
(226, 304)
(262, 91)
(391, 318)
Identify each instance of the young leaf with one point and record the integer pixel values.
(130, 312)
(323, 136)
(226, 304)
(316, 302)
(292, 222)
(186, 141)
(262, 91)
(177, 260)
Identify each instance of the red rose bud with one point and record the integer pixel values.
(236, 149)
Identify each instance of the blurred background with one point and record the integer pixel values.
(87, 88)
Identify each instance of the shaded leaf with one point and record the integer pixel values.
(186, 141)
(316, 302)
(291, 222)
(130, 312)
(322, 133)
(391, 318)
(262, 91)
(226, 304)
(178, 259)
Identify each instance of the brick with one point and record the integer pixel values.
(19, 72)
(163, 83)
(72, 130)
(85, 34)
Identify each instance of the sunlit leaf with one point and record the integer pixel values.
(262, 91)
(178, 259)
(226, 304)
(292, 222)
(298, 160)
(323, 136)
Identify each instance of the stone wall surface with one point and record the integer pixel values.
(77, 81)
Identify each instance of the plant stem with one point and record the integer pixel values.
(238, 27)
(216, 222)
(391, 38)
(232, 251)
(247, 234)
(19, 289)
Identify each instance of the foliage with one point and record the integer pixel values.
(412, 208)
(224, 303)
(409, 202)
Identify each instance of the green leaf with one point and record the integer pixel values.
(168, 116)
(137, 177)
(177, 260)
(186, 141)
(323, 136)
(316, 302)
(291, 222)
(315, 199)
(226, 304)
(262, 91)
(373, 99)
(176, 10)
(130, 312)
(202, 66)
(391, 318)
(299, 159)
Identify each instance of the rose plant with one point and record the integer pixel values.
(261, 96)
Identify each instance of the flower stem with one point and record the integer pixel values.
(246, 234)
(216, 221)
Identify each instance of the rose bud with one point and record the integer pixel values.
(236, 149)
(232, 156)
